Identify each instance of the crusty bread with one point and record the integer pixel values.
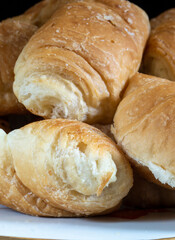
(14, 194)
(76, 65)
(42, 11)
(144, 126)
(143, 194)
(14, 34)
(62, 168)
(159, 56)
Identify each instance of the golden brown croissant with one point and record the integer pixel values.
(159, 56)
(143, 194)
(62, 168)
(149, 195)
(76, 65)
(144, 126)
(14, 34)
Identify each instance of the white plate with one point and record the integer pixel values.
(151, 226)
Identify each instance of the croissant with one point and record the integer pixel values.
(144, 127)
(62, 168)
(76, 65)
(14, 34)
(159, 55)
(143, 194)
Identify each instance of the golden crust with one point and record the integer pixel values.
(14, 34)
(159, 56)
(42, 11)
(76, 65)
(68, 169)
(143, 194)
(144, 127)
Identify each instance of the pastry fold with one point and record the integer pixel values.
(14, 34)
(143, 194)
(159, 56)
(62, 168)
(76, 65)
(144, 126)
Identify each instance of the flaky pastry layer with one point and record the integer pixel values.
(77, 64)
(62, 168)
(159, 56)
(144, 127)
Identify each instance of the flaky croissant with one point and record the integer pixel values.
(61, 168)
(159, 56)
(144, 126)
(144, 194)
(14, 34)
(76, 65)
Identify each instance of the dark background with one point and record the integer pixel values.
(11, 8)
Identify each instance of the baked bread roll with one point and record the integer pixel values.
(14, 34)
(159, 56)
(76, 65)
(144, 127)
(62, 168)
(143, 194)
(149, 195)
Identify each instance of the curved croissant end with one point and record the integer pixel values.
(14, 34)
(158, 59)
(144, 127)
(76, 65)
(62, 168)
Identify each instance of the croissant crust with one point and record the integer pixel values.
(76, 65)
(144, 127)
(62, 168)
(159, 56)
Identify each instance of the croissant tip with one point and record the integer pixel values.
(104, 183)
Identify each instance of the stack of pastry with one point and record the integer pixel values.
(73, 62)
